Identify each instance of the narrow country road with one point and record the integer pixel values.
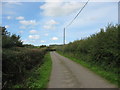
(68, 74)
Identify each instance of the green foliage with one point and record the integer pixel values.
(101, 49)
(43, 46)
(29, 46)
(111, 77)
(41, 76)
(10, 40)
(17, 61)
(38, 76)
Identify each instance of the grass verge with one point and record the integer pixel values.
(39, 76)
(111, 77)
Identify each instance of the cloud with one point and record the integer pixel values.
(22, 27)
(33, 31)
(19, 18)
(13, 3)
(59, 0)
(9, 17)
(60, 8)
(9, 8)
(46, 34)
(33, 36)
(20, 32)
(7, 26)
(96, 15)
(50, 24)
(48, 27)
(54, 38)
(26, 41)
(42, 41)
(29, 22)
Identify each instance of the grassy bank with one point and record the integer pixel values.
(39, 76)
(111, 77)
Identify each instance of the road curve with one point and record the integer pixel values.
(68, 74)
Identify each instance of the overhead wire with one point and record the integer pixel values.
(73, 21)
(77, 14)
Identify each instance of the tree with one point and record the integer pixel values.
(10, 40)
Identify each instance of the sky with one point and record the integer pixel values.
(42, 23)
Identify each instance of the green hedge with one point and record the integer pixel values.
(99, 49)
(17, 62)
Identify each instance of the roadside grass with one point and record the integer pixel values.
(39, 76)
(111, 77)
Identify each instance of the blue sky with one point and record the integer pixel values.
(42, 23)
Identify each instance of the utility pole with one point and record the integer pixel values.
(72, 21)
(64, 36)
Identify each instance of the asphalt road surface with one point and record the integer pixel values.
(68, 74)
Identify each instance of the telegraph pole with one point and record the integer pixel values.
(64, 36)
(73, 20)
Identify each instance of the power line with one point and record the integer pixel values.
(77, 14)
(73, 20)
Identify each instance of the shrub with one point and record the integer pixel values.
(101, 48)
(18, 61)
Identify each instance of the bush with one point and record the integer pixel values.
(18, 61)
(100, 49)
